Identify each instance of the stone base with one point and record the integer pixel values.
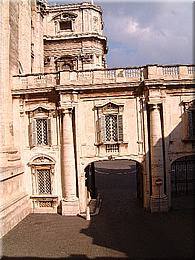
(159, 204)
(70, 208)
(12, 213)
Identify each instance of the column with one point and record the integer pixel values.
(158, 201)
(70, 204)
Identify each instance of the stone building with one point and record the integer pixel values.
(62, 110)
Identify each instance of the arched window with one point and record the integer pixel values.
(42, 175)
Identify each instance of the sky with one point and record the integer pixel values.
(147, 32)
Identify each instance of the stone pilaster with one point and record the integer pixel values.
(158, 200)
(70, 205)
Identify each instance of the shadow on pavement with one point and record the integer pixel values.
(124, 226)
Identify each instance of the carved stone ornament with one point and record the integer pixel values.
(65, 16)
(42, 160)
(189, 105)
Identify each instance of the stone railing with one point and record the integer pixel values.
(40, 80)
(100, 76)
(171, 72)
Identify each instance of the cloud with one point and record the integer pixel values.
(148, 33)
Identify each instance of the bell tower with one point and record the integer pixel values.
(73, 38)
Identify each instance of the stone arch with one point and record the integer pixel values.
(90, 171)
(177, 157)
(137, 159)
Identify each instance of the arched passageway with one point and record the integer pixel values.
(183, 182)
(118, 183)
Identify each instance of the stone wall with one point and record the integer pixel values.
(15, 52)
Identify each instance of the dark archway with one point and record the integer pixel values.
(119, 182)
(183, 182)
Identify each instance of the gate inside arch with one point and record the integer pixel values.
(117, 184)
(183, 182)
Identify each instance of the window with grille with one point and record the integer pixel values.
(111, 128)
(40, 132)
(109, 125)
(112, 148)
(41, 129)
(43, 181)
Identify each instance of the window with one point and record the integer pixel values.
(40, 132)
(66, 25)
(111, 128)
(111, 148)
(42, 169)
(43, 181)
(39, 128)
(188, 119)
(109, 124)
(191, 116)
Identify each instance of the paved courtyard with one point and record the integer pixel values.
(121, 230)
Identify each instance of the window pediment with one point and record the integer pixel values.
(39, 112)
(109, 107)
(42, 160)
(65, 16)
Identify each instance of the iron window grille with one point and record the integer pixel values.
(41, 129)
(40, 132)
(112, 148)
(182, 176)
(44, 181)
(109, 128)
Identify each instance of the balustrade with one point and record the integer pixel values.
(191, 69)
(171, 70)
(104, 76)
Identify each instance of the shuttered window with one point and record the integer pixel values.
(40, 132)
(110, 128)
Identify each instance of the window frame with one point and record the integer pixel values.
(101, 131)
(69, 21)
(188, 121)
(39, 114)
(37, 181)
(42, 163)
(191, 123)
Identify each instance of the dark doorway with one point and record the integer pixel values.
(183, 182)
(118, 183)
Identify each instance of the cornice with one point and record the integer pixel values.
(74, 36)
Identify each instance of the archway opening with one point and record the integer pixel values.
(118, 184)
(183, 182)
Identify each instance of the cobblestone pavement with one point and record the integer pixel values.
(121, 230)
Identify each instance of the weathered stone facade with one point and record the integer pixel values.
(62, 110)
